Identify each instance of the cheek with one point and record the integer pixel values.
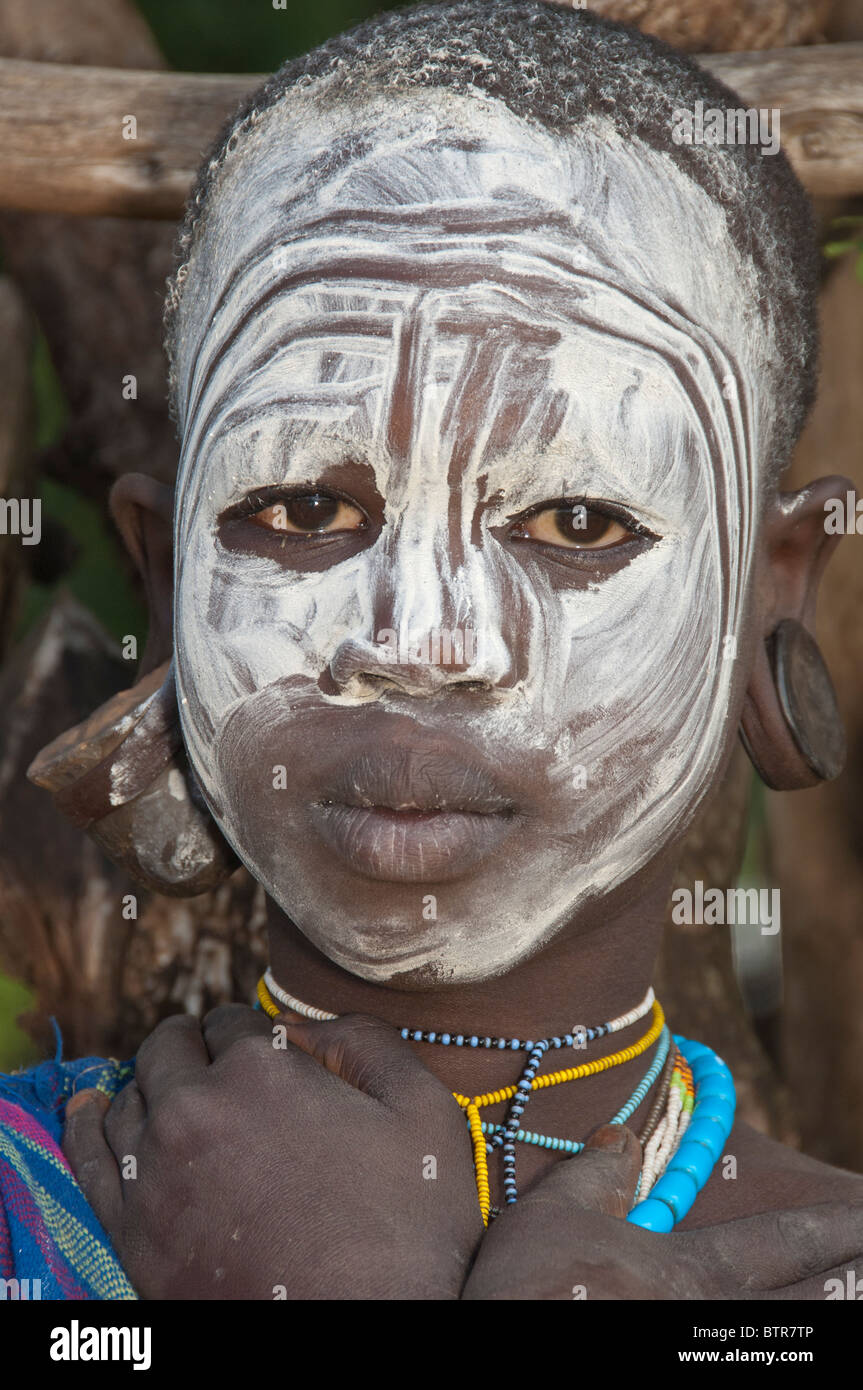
(241, 624)
(635, 641)
(636, 692)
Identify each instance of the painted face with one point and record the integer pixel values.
(465, 522)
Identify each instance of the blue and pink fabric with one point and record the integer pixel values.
(49, 1235)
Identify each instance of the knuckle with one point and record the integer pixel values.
(180, 1124)
(88, 1173)
(225, 1013)
(251, 1050)
(164, 1032)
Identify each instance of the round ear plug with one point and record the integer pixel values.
(808, 699)
(809, 746)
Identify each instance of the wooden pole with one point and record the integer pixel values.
(107, 142)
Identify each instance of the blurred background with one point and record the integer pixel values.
(80, 309)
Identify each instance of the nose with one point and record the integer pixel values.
(432, 626)
(415, 664)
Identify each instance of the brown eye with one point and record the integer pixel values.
(574, 526)
(311, 514)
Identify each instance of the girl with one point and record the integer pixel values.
(478, 569)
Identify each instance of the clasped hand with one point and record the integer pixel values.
(336, 1166)
(333, 1167)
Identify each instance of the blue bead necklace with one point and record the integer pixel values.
(689, 1168)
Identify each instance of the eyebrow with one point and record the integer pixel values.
(391, 267)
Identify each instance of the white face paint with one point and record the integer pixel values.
(474, 317)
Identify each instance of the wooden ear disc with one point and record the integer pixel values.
(123, 776)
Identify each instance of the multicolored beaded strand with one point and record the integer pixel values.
(532, 1083)
(686, 1130)
(669, 1132)
(703, 1140)
(577, 1037)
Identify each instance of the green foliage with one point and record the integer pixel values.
(222, 36)
(16, 1049)
(834, 249)
(51, 412)
(96, 578)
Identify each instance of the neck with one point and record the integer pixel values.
(583, 977)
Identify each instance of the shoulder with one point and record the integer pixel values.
(756, 1174)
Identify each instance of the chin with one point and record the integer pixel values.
(402, 950)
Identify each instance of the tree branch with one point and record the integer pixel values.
(65, 151)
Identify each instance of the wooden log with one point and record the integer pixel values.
(715, 26)
(66, 131)
(819, 92)
(95, 285)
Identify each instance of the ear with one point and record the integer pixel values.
(123, 775)
(143, 511)
(790, 724)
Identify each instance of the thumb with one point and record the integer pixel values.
(369, 1055)
(603, 1177)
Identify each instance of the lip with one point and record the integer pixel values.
(423, 813)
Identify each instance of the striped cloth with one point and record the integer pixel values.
(48, 1232)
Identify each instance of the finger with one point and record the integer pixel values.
(224, 1026)
(125, 1121)
(89, 1156)
(603, 1177)
(173, 1053)
(839, 1283)
(369, 1055)
(782, 1248)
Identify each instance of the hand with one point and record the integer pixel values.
(261, 1172)
(567, 1238)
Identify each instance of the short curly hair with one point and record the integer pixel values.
(557, 67)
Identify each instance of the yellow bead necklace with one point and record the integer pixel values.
(519, 1093)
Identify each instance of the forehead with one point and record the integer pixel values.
(471, 392)
(394, 273)
(435, 174)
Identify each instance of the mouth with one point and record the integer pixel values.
(420, 814)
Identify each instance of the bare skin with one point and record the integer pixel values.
(302, 1169)
(247, 1189)
(739, 1240)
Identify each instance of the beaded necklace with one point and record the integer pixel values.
(577, 1037)
(695, 1099)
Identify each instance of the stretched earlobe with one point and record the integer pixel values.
(142, 509)
(123, 776)
(791, 727)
